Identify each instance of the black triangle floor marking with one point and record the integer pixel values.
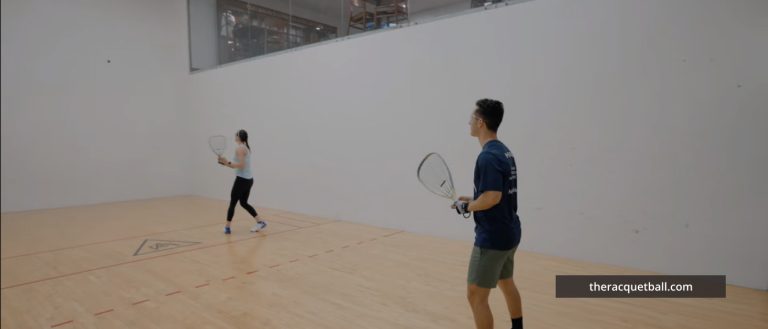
(152, 245)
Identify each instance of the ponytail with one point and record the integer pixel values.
(243, 135)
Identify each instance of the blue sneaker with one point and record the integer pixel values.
(227, 230)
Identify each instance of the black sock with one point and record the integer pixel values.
(517, 323)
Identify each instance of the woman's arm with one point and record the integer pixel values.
(240, 162)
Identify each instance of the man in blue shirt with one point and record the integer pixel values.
(497, 226)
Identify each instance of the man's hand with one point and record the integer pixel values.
(461, 207)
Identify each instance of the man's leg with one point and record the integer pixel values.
(485, 268)
(478, 301)
(514, 305)
(509, 289)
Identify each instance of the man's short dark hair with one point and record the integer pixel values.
(491, 111)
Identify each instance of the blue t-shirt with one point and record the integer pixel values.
(497, 228)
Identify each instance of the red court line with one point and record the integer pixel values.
(103, 312)
(105, 241)
(391, 234)
(128, 238)
(155, 257)
(297, 219)
(61, 324)
(284, 223)
(232, 277)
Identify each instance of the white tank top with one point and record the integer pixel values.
(245, 171)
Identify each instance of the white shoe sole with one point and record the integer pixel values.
(258, 227)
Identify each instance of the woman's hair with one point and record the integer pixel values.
(243, 135)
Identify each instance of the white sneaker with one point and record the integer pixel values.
(260, 225)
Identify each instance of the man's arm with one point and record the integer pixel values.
(485, 201)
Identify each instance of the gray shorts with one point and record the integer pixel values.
(488, 266)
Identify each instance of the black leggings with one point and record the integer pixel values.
(240, 192)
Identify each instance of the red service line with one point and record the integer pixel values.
(225, 279)
(62, 323)
(105, 241)
(154, 257)
(104, 312)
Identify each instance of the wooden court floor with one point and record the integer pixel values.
(165, 263)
